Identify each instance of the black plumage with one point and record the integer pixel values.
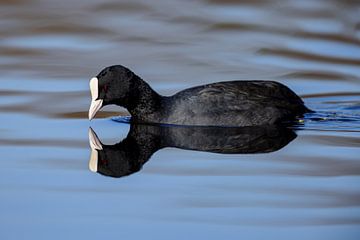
(231, 103)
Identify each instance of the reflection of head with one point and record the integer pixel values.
(120, 159)
(142, 141)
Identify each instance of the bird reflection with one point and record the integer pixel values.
(129, 155)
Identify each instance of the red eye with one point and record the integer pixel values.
(105, 88)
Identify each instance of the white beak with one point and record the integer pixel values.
(95, 104)
(95, 145)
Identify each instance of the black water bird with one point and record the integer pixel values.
(129, 155)
(232, 103)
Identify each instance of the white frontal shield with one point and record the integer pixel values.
(95, 104)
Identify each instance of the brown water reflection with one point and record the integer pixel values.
(50, 49)
(309, 57)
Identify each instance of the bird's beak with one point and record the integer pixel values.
(96, 104)
(95, 145)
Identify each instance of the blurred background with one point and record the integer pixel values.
(50, 49)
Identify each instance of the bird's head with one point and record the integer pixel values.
(111, 86)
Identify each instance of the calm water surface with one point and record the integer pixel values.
(309, 189)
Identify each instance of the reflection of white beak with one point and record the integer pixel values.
(95, 145)
(95, 104)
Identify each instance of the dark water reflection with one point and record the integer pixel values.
(142, 141)
(308, 189)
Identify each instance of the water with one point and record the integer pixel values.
(308, 189)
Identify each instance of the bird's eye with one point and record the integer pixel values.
(105, 88)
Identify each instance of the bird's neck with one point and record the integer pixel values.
(144, 102)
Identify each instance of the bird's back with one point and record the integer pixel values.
(233, 103)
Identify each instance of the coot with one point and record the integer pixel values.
(231, 103)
